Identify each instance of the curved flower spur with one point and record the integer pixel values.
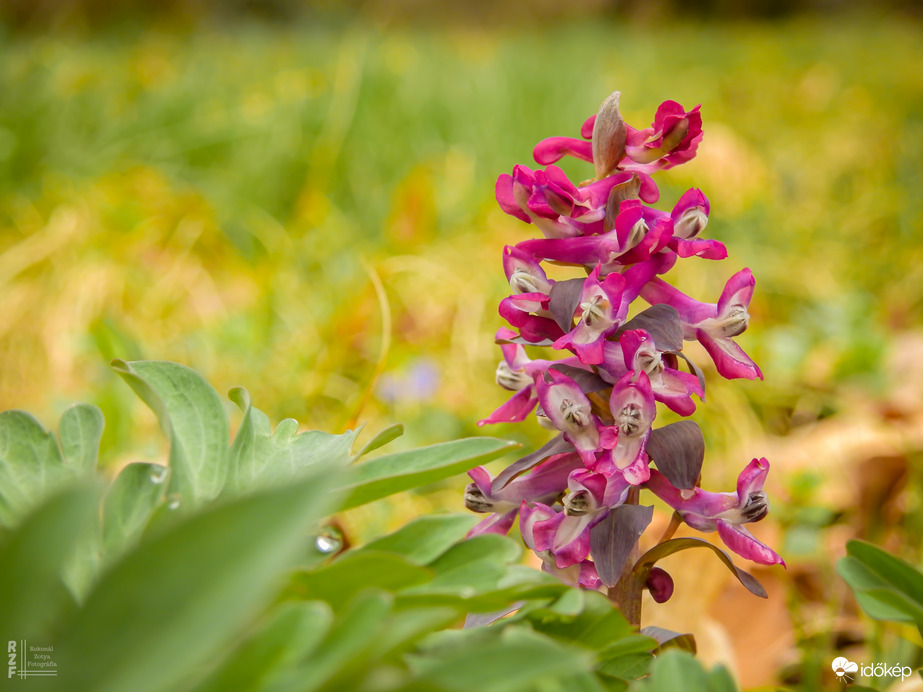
(577, 498)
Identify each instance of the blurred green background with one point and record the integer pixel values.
(298, 198)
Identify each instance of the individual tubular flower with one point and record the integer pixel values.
(568, 409)
(559, 208)
(600, 315)
(543, 484)
(566, 534)
(714, 324)
(672, 139)
(725, 512)
(690, 216)
(670, 386)
(581, 574)
(517, 373)
(633, 411)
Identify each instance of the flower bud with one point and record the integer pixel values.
(609, 133)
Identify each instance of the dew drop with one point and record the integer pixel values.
(329, 541)
(174, 501)
(158, 475)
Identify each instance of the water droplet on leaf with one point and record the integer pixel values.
(174, 501)
(329, 541)
(158, 475)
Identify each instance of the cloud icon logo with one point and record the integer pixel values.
(842, 667)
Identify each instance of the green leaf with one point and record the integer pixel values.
(80, 430)
(30, 464)
(647, 561)
(357, 629)
(129, 504)
(183, 594)
(678, 671)
(597, 626)
(387, 435)
(668, 639)
(518, 659)
(886, 587)
(193, 419)
(425, 538)
(292, 632)
(260, 457)
(394, 473)
(339, 582)
(628, 666)
(34, 556)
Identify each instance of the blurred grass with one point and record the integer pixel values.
(262, 204)
(210, 197)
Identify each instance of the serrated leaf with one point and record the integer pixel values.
(678, 450)
(394, 473)
(129, 504)
(182, 595)
(192, 417)
(80, 430)
(425, 538)
(260, 457)
(661, 550)
(34, 556)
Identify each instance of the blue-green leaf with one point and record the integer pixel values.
(886, 587)
(394, 473)
(260, 457)
(183, 594)
(80, 430)
(129, 504)
(193, 419)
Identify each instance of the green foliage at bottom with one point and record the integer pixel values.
(213, 574)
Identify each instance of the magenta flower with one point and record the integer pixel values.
(523, 273)
(569, 410)
(559, 208)
(600, 315)
(543, 484)
(517, 372)
(690, 216)
(714, 324)
(671, 140)
(581, 574)
(566, 534)
(725, 512)
(670, 386)
(633, 410)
